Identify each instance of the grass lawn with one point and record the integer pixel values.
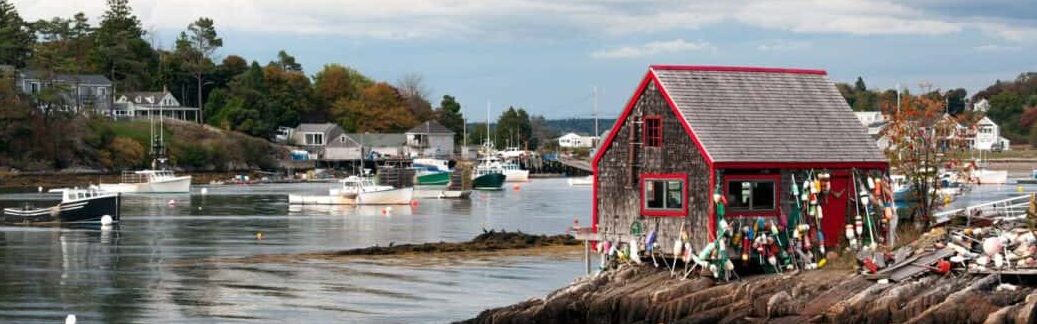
(1027, 153)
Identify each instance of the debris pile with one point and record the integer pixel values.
(1001, 245)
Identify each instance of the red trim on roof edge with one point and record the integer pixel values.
(684, 122)
(737, 69)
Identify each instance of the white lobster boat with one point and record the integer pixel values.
(150, 181)
(357, 191)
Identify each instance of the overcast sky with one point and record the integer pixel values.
(546, 55)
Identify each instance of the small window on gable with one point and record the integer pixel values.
(653, 131)
(664, 194)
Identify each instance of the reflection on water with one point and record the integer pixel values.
(150, 267)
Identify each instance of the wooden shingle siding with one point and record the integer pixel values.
(744, 116)
(619, 201)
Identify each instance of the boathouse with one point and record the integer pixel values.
(742, 133)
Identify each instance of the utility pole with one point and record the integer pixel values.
(596, 131)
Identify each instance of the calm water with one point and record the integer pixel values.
(176, 263)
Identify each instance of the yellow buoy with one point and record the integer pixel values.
(1019, 188)
(259, 235)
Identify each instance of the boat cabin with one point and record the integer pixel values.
(694, 137)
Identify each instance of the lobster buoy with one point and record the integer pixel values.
(516, 187)
(172, 202)
(414, 203)
(205, 191)
(259, 236)
(106, 220)
(70, 319)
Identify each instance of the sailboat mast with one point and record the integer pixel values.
(595, 112)
(487, 121)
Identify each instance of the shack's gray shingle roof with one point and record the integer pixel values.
(773, 116)
(375, 140)
(430, 127)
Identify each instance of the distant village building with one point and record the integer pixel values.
(873, 120)
(76, 92)
(988, 136)
(131, 105)
(328, 142)
(573, 140)
(314, 138)
(430, 139)
(982, 106)
(743, 133)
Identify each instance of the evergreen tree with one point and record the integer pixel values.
(449, 115)
(15, 38)
(120, 51)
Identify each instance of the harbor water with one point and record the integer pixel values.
(189, 258)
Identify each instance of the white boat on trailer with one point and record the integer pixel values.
(357, 191)
(149, 181)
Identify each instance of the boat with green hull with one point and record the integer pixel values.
(489, 181)
(434, 179)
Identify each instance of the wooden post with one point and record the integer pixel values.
(587, 255)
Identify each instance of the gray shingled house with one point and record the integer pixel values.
(431, 139)
(76, 91)
(746, 133)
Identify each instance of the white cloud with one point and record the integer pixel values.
(782, 45)
(995, 48)
(653, 48)
(517, 19)
(843, 17)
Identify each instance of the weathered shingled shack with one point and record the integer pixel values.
(689, 131)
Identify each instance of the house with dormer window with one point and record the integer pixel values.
(130, 105)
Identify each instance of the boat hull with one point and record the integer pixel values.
(581, 181)
(82, 211)
(985, 177)
(489, 181)
(434, 179)
(90, 210)
(516, 175)
(402, 196)
(180, 184)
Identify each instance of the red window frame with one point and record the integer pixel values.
(653, 134)
(683, 211)
(776, 178)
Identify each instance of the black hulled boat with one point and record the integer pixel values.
(76, 206)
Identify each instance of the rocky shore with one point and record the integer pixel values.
(645, 294)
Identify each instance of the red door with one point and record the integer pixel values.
(834, 207)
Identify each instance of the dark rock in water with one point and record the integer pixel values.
(488, 241)
(643, 294)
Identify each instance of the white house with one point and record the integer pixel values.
(873, 120)
(982, 106)
(146, 104)
(988, 136)
(430, 139)
(573, 140)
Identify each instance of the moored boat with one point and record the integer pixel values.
(512, 171)
(150, 181)
(76, 206)
(489, 181)
(357, 191)
(581, 181)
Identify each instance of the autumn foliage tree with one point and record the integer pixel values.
(922, 140)
(379, 109)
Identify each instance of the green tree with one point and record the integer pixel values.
(449, 115)
(859, 86)
(15, 37)
(120, 50)
(1005, 109)
(513, 128)
(63, 45)
(956, 101)
(287, 62)
(196, 47)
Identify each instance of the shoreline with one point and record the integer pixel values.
(641, 293)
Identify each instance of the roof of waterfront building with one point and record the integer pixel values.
(750, 114)
(430, 127)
